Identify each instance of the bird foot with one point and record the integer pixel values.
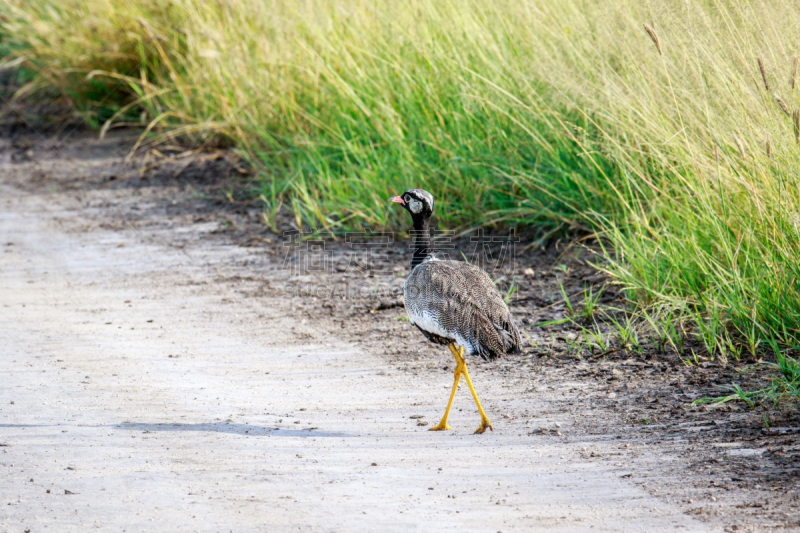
(441, 426)
(484, 424)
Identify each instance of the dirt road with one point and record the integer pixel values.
(144, 389)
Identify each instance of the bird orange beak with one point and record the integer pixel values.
(397, 200)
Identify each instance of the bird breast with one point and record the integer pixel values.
(429, 310)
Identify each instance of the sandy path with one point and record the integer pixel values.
(247, 429)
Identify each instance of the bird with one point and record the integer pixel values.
(454, 303)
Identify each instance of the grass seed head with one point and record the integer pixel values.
(796, 124)
(653, 35)
(782, 105)
(763, 70)
(793, 80)
(739, 145)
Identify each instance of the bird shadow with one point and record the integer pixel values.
(228, 427)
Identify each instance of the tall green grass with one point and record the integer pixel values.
(342, 103)
(532, 111)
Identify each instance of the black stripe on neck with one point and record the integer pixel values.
(422, 240)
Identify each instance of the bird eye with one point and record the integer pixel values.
(407, 198)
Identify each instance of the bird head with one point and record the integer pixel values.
(417, 202)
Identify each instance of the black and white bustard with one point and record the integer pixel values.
(454, 303)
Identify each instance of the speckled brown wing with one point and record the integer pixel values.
(453, 300)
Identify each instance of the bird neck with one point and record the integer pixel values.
(422, 240)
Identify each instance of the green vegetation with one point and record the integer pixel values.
(670, 128)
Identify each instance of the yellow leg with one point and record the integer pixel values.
(484, 419)
(460, 367)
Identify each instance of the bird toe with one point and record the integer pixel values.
(485, 424)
